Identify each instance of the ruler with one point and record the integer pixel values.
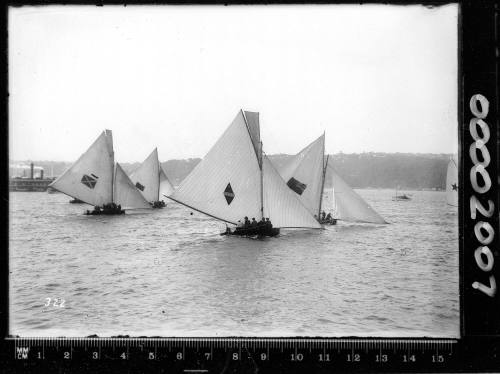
(215, 355)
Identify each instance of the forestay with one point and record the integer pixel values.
(125, 193)
(452, 182)
(281, 204)
(146, 177)
(90, 178)
(166, 187)
(304, 174)
(349, 205)
(226, 183)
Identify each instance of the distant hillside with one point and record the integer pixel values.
(375, 170)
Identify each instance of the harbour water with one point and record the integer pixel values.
(169, 273)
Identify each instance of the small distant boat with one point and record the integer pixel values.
(236, 180)
(76, 201)
(401, 197)
(96, 180)
(152, 181)
(306, 173)
(452, 182)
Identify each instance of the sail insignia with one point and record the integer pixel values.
(139, 186)
(229, 194)
(88, 181)
(296, 186)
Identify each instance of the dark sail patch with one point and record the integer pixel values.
(296, 186)
(139, 186)
(88, 181)
(229, 194)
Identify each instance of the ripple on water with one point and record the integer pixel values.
(344, 280)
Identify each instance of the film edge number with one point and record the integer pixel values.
(479, 167)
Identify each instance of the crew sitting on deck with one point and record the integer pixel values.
(269, 225)
(247, 222)
(254, 222)
(323, 215)
(329, 217)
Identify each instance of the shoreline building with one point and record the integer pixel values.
(28, 178)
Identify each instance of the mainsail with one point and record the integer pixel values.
(146, 177)
(452, 182)
(234, 180)
(281, 204)
(348, 205)
(304, 174)
(125, 193)
(166, 187)
(90, 178)
(226, 183)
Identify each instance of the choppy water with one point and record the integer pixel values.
(169, 273)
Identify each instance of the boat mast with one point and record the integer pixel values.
(261, 184)
(322, 186)
(159, 173)
(322, 178)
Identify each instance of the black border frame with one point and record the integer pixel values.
(478, 72)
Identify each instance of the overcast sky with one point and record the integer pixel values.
(375, 77)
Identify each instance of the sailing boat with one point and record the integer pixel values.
(95, 180)
(236, 180)
(306, 174)
(348, 205)
(400, 197)
(452, 182)
(152, 181)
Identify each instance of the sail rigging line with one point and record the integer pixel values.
(198, 210)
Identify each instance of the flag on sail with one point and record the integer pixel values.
(452, 182)
(348, 205)
(126, 193)
(146, 177)
(304, 174)
(231, 162)
(90, 178)
(166, 187)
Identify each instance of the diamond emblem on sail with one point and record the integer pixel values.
(229, 194)
(88, 181)
(296, 186)
(139, 186)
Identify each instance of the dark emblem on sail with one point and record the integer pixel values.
(139, 186)
(229, 194)
(89, 181)
(454, 186)
(296, 186)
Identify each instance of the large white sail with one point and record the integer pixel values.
(226, 183)
(349, 205)
(281, 204)
(304, 174)
(125, 193)
(90, 178)
(146, 177)
(166, 187)
(452, 182)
